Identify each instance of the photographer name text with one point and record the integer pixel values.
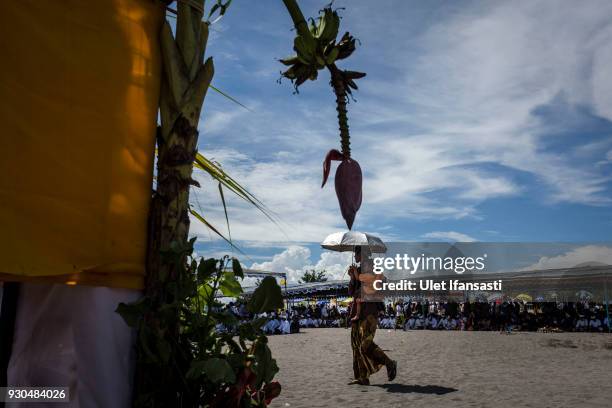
(432, 285)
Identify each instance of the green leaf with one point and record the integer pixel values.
(206, 268)
(229, 285)
(129, 313)
(217, 370)
(265, 366)
(267, 297)
(251, 330)
(210, 226)
(177, 251)
(237, 268)
(217, 173)
(229, 97)
(133, 312)
(205, 291)
(229, 232)
(225, 317)
(222, 7)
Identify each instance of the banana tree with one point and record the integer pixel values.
(187, 77)
(181, 359)
(317, 47)
(184, 87)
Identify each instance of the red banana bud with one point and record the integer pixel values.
(348, 184)
(333, 154)
(348, 189)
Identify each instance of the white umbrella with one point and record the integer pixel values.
(347, 241)
(584, 294)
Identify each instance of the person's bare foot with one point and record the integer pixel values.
(364, 381)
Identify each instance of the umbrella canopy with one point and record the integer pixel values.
(584, 294)
(345, 302)
(347, 241)
(524, 297)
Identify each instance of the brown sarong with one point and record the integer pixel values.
(368, 358)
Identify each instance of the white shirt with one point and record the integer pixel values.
(285, 327)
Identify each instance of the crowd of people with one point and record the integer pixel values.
(500, 316)
(477, 316)
(290, 321)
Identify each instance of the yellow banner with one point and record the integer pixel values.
(79, 90)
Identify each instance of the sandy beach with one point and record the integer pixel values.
(448, 369)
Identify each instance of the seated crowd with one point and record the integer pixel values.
(500, 316)
(290, 321)
(477, 316)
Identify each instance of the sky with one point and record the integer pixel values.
(477, 121)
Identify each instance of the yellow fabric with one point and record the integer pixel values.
(79, 90)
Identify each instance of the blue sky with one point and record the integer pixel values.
(488, 121)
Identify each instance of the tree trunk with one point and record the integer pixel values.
(184, 85)
(337, 79)
(338, 84)
(184, 88)
(298, 18)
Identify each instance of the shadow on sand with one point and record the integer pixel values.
(420, 389)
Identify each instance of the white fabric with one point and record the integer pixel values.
(70, 336)
(285, 327)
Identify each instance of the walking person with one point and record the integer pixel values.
(368, 358)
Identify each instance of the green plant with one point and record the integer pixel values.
(182, 360)
(317, 47)
(314, 276)
(216, 172)
(188, 362)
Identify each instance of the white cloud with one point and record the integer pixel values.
(214, 121)
(335, 264)
(290, 189)
(606, 161)
(295, 260)
(444, 121)
(468, 99)
(581, 256)
(601, 85)
(451, 236)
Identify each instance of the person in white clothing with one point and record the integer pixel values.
(70, 336)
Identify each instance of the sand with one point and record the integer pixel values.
(448, 369)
